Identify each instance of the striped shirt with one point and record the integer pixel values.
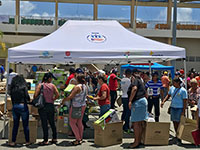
(155, 86)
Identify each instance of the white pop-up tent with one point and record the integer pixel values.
(93, 42)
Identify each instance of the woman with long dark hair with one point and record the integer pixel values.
(77, 97)
(103, 96)
(20, 98)
(47, 113)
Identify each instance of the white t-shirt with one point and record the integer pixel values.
(198, 105)
(125, 83)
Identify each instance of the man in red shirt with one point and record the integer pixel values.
(113, 87)
(71, 76)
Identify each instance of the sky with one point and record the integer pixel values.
(85, 11)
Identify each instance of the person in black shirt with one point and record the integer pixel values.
(138, 106)
(20, 98)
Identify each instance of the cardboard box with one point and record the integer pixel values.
(62, 124)
(185, 129)
(9, 105)
(156, 133)
(20, 136)
(112, 134)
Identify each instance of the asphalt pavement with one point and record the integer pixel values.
(63, 140)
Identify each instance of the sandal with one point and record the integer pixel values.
(43, 143)
(133, 147)
(28, 144)
(53, 141)
(12, 144)
(75, 143)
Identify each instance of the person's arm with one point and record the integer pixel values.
(27, 97)
(162, 93)
(133, 92)
(165, 99)
(184, 106)
(117, 78)
(75, 90)
(37, 91)
(56, 93)
(103, 96)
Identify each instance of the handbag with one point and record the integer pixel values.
(76, 112)
(196, 136)
(169, 109)
(39, 101)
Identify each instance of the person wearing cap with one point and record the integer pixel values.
(71, 76)
(138, 106)
(178, 104)
(50, 93)
(113, 84)
(125, 83)
(155, 92)
(193, 95)
(165, 82)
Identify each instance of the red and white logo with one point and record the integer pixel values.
(67, 53)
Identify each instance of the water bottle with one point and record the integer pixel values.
(61, 111)
(65, 110)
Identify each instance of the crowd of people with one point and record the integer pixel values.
(140, 93)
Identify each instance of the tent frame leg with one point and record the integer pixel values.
(150, 70)
(5, 106)
(185, 74)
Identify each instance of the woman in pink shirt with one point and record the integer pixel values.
(47, 113)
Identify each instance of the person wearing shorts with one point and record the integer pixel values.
(179, 103)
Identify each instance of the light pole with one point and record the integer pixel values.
(174, 23)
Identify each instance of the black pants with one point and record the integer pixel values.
(154, 101)
(47, 114)
(113, 95)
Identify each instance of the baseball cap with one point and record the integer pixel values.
(79, 70)
(165, 72)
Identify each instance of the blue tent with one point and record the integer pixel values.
(155, 66)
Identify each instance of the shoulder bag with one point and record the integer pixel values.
(169, 109)
(39, 101)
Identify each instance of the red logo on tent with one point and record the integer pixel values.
(67, 53)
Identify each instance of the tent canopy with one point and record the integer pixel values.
(155, 66)
(93, 42)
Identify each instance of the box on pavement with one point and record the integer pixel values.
(62, 124)
(156, 133)
(112, 134)
(109, 117)
(9, 105)
(185, 128)
(20, 135)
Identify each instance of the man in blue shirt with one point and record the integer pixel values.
(2, 72)
(154, 90)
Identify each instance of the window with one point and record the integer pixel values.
(191, 58)
(197, 59)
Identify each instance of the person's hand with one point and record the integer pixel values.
(162, 104)
(130, 105)
(63, 102)
(193, 102)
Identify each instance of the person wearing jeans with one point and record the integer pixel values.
(47, 113)
(125, 83)
(103, 96)
(77, 97)
(20, 98)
